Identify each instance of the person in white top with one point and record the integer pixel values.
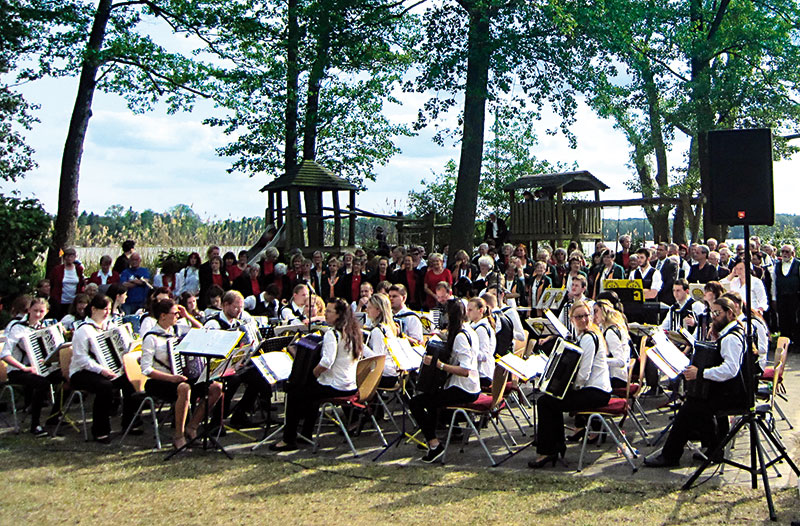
(615, 331)
(591, 389)
(462, 386)
(379, 312)
(410, 322)
(166, 385)
(758, 294)
(482, 321)
(335, 374)
(297, 311)
(188, 278)
(185, 320)
(86, 374)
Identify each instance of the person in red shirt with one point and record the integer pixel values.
(409, 277)
(105, 276)
(436, 273)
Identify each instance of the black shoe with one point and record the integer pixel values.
(542, 462)
(660, 462)
(39, 432)
(241, 422)
(577, 437)
(434, 454)
(653, 392)
(105, 440)
(284, 447)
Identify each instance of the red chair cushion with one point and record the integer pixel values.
(341, 400)
(619, 392)
(483, 403)
(616, 406)
(768, 375)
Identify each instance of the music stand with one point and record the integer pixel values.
(750, 417)
(207, 436)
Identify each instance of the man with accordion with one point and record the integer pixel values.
(726, 389)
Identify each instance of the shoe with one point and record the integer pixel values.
(542, 462)
(577, 437)
(660, 462)
(284, 447)
(434, 454)
(241, 422)
(39, 432)
(105, 439)
(593, 439)
(653, 392)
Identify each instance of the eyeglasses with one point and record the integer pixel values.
(580, 316)
(786, 251)
(715, 313)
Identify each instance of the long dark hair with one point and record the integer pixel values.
(347, 324)
(456, 314)
(98, 302)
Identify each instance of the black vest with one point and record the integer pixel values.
(505, 338)
(647, 279)
(787, 285)
(224, 325)
(677, 315)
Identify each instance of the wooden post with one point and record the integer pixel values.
(351, 234)
(399, 227)
(270, 207)
(337, 220)
(279, 207)
(560, 215)
(293, 220)
(320, 221)
(431, 234)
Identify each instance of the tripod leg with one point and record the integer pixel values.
(717, 450)
(756, 443)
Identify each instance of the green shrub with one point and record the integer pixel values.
(26, 231)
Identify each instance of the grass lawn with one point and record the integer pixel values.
(48, 482)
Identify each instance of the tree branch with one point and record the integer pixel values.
(156, 75)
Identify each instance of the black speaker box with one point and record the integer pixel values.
(740, 172)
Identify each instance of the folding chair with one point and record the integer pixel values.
(368, 376)
(774, 376)
(64, 358)
(133, 370)
(7, 387)
(631, 392)
(486, 407)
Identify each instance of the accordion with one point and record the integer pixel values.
(308, 353)
(175, 358)
(39, 347)
(705, 355)
(431, 379)
(560, 369)
(109, 346)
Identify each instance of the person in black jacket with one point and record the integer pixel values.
(349, 286)
(669, 273)
(249, 283)
(496, 229)
(702, 271)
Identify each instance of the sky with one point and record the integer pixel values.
(156, 161)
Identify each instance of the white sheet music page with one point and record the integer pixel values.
(556, 323)
(667, 357)
(525, 369)
(274, 366)
(209, 342)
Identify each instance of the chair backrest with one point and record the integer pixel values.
(64, 358)
(781, 354)
(642, 360)
(529, 347)
(498, 385)
(3, 372)
(133, 370)
(369, 372)
(631, 366)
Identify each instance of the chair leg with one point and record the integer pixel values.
(616, 434)
(83, 416)
(13, 402)
(147, 401)
(503, 424)
(638, 425)
(338, 418)
(472, 429)
(386, 410)
(378, 429)
(497, 430)
(64, 411)
(640, 410)
(783, 415)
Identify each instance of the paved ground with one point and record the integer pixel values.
(602, 459)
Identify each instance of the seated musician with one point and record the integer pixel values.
(184, 323)
(264, 304)
(410, 322)
(504, 329)
(297, 311)
(463, 384)
(379, 313)
(21, 372)
(651, 278)
(615, 331)
(480, 316)
(165, 385)
(591, 389)
(760, 333)
(508, 306)
(214, 304)
(335, 374)
(365, 292)
(726, 390)
(86, 374)
(230, 317)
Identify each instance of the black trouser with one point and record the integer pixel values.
(618, 383)
(550, 432)
(425, 407)
(103, 390)
(36, 389)
(303, 404)
(256, 388)
(787, 307)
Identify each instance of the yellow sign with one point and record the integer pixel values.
(634, 290)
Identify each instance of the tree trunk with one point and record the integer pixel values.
(312, 204)
(660, 220)
(67, 215)
(469, 167)
(292, 74)
(679, 222)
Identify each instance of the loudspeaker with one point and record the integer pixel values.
(740, 172)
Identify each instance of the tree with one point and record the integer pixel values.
(480, 49)
(26, 229)
(118, 58)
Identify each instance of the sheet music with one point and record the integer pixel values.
(209, 342)
(274, 366)
(297, 327)
(403, 354)
(667, 357)
(525, 369)
(556, 323)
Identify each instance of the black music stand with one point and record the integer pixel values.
(402, 435)
(750, 417)
(207, 435)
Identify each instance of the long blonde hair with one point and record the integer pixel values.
(381, 302)
(486, 312)
(613, 317)
(584, 305)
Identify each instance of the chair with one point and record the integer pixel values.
(9, 388)
(486, 407)
(368, 376)
(616, 407)
(133, 370)
(774, 376)
(64, 358)
(631, 392)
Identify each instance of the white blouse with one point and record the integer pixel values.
(593, 367)
(376, 346)
(487, 343)
(619, 351)
(339, 363)
(82, 358)
(155, 353)
(465, 354)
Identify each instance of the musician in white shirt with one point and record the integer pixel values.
(379, 312)
(20, 372)
(615, 331)
(482, 321)
(163, 384)
(758, 294)
(335, 374)
(86, 374)
(591, 389)
(298, 311)
(462, 386)
(410, 322)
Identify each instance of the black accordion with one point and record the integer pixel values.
(705, 355)
(562, 365)
(307, 355)
(431, 379)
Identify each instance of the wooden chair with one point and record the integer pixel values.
(64, 359)
(485, 407)
(369, 372)
(9, 388)
(133, 370)
(773, 376)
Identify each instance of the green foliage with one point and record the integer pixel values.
(26, 230)
(786, 231)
